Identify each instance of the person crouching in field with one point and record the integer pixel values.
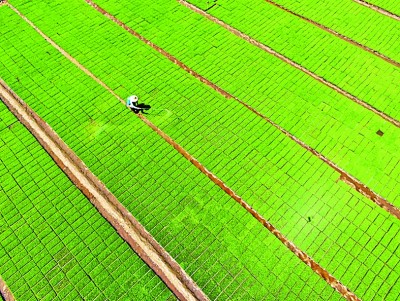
(132, 103)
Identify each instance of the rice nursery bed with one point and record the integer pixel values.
(226, 251)
(54, 245)
(391, 6)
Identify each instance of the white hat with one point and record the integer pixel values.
(133, 98)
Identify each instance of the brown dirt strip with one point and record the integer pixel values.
(5, 292)
(347, 178)
(378, 9)
(335, 33)
(290, 62)
(106, 203)
(331, 280)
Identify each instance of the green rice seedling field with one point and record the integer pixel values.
(339, 62)
(54, 245)
(277, 137)
(191, 214)
(325, 120)
(366, 26)
(392, 6)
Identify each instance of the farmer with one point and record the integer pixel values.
(132, 103)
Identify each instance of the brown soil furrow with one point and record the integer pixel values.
(290, 62)
(106, 203)
(5, 293)
(335, 33)
(331, 280)
(346, 177)
(378, 9)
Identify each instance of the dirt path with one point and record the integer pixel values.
(118, 216)
(5, 293)
(378, 9)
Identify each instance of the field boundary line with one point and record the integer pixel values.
(141, 241)
(290, 62)
(378, 9)
(319, 270)
(337, 34)
(5, 292)
(344, 176)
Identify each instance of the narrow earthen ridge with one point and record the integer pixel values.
(335, 33)
(378, 9)
(347, 178)
(119, 217)
(5, 292)
(290, 62)
(332, 281)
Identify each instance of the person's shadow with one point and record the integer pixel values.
(142, 107)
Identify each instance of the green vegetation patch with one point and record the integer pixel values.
(351, 68)
(289, 186)
(229, 254)
(54, 245)
(351, 19)
(341, 130)
(392, 6)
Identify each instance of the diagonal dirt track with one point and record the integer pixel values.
(344, 176)
(117, 215)
(290, 62)
(378, 9)
(335, 33)
(319, 270)
(5, 293)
